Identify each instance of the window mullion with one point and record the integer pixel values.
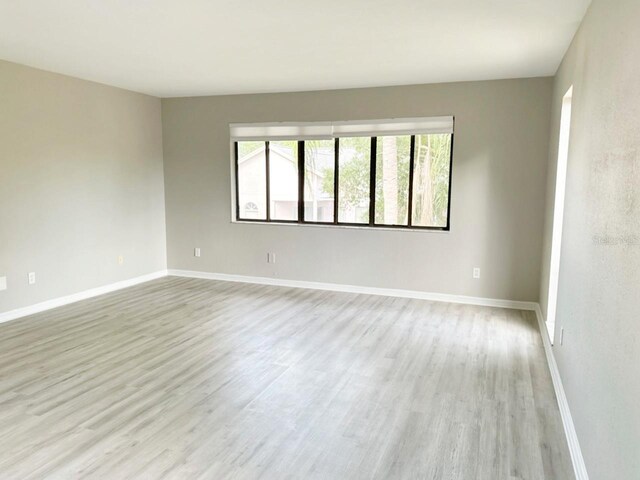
(237, 174)
(411, 165)
(372, 181)
(336, 173)
(266, 156)
(301, 179)
(448, 227)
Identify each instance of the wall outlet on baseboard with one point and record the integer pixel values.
(120, 259)
(32, 278)
(476, 272)
(271, 258)
(561, 335)
(3, 283)
(196, 252)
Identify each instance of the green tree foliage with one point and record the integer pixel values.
(431, 179)
(312, 152)
(394, 159)
(245, 148)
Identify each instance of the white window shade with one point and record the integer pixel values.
(242, 132)
(327, 130)
(397, 126)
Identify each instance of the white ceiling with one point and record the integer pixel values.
(201, 47)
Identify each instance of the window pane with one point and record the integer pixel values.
(252, 180)
(353, 180)
(283, 180)
(392, 179)
(319, 170)
(431, 180)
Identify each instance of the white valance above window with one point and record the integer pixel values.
(242, 132)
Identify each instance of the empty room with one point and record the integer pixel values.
(320, 240)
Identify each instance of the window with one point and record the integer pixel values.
(431, 178)
(252, 180)
(393, 156)
(319, 171)
(393, 173)
(354, 179)
(283, 180)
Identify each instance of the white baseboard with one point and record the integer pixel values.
(579, 466)
(337, 287)
(76, 297)
(390, 292)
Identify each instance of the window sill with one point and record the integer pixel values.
(349, 227)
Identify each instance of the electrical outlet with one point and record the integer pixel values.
(3, 283)
(120, 259)
(271, 258)
(196, 252)
(32, 278)
(476, 272)
(561, 335)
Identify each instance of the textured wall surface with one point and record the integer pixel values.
(599, 286)
(499, 178)
(81, 183)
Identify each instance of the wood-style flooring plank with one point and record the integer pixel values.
(197, 379)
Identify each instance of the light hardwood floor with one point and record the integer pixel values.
(183, 378)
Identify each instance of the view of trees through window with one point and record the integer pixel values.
(393, 155)
(431, 173)
(353, 179)
(410, 188)
(319, 168)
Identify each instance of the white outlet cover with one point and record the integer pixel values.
(32, 278)
(196, 252)
(476, 273)
(3, 283)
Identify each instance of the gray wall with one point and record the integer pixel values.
(499, 178)
(81, 182)
(599, 286)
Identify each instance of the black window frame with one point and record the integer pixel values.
(372, 191)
